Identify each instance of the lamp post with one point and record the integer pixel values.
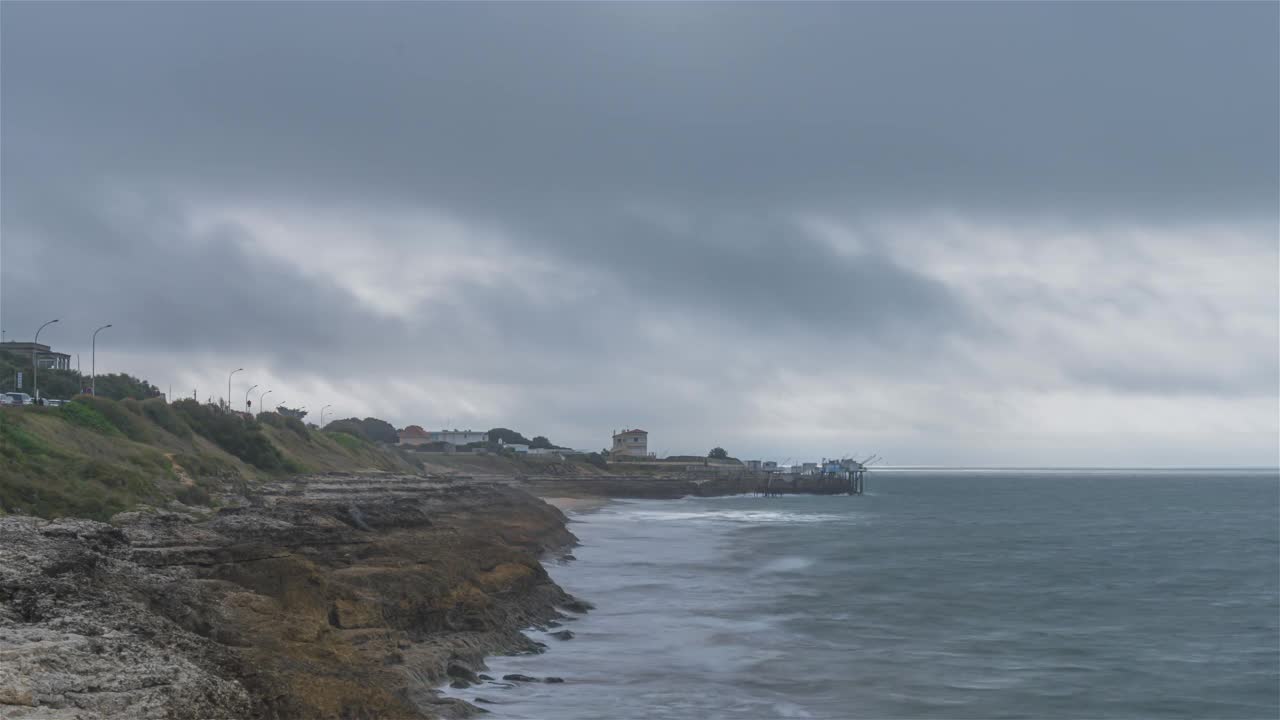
(260, 397)
(246, 398)
(35, 366)
(93, 363)
(326, 407)
(233, 372)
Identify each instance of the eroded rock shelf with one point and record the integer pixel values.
(328, 597)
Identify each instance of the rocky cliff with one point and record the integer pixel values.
(324, 597)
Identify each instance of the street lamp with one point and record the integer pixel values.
(93, 363)
(246, 398)
(326, 407)
(260, 397)
(233, 372)
(35, 366)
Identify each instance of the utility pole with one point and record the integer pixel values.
(326, 407)
(260, 400)
(246, 397)
(93, 362)
(35, 365)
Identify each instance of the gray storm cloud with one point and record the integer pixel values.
(632, 190)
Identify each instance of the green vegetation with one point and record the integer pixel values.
(298, 413)
(84, 415)
(159, 412)
(286, 422)
(349, 441)
(508, 436)
(95, 457)
(69, 383)
(46, 470)
(370, 428)
(511, 437)
(236, 434)
(718, 453)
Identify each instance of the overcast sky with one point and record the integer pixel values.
(973, 234)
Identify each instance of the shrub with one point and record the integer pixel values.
(118, 414)
(14, 440)
(193, 495)
(238, 435)
(286, 422)
(206, 466)
(84, 415)
(597, 460)
(158, 411)
(118, 386)
(350, 426)
(349, 441)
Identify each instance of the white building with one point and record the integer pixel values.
(415, 435)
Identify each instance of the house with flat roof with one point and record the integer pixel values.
(415, 435)
(46, 358)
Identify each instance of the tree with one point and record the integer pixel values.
(291, 412)
(380, 431)
(540, 442)
(350, 426)
(510, 437)
(718, 453)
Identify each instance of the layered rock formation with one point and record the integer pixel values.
(328, 597)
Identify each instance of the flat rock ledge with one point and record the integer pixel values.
(326, 597)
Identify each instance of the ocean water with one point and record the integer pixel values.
(982, 594)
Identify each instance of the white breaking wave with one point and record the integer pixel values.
(741, 516)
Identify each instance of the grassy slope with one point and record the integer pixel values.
(97, 457)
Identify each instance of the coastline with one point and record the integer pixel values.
(347, 596)
(576, 505)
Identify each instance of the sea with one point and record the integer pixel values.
(937, 594)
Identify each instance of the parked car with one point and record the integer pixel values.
(19, 398)
(5, 399)
(54, 403)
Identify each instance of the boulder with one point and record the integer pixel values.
(581, 607)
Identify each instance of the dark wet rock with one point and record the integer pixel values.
(516, 677)
(563, 635)
(482, 676)
(460, 684)
(553, 680)
(484, 701)
(581, 607)
(458, 671)
(554, 624)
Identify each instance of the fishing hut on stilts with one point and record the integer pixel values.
(845, 476)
